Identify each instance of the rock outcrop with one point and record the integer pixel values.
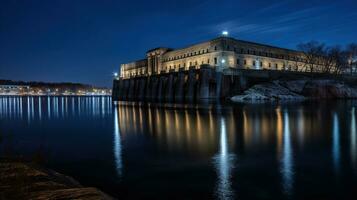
(281, 90)
(25, 181)
(267, 92)
(329, 89)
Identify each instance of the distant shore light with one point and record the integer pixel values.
(225, 33)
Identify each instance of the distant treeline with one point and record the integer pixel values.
(52, 86)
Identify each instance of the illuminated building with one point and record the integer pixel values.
(220, 53)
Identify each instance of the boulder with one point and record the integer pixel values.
(267, 92)
(20, 180)
(329, 89)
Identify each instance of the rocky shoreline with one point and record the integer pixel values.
(19, 180)
(297, 90)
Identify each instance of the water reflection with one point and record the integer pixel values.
(205, 141)
(224, 162)
(117, 144)
(287, 158)
(175, 129)
(336, 143)
(353, 140)
(31, 108)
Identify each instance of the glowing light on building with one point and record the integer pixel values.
(225, 33)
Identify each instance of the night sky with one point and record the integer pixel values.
(85, 41)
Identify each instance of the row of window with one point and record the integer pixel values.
(195, 63)
(254, 63)
(265, 54)
(200, 52)
(242, 51)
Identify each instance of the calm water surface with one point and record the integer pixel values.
(265, 151)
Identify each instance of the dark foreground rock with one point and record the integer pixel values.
(297, 90)
(25, 181)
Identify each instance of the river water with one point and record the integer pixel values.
(176, 151)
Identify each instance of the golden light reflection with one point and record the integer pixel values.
(246, 129)
(279, 130)
(189, 129)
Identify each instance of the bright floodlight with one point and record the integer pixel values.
(225, 33)
(115, 74)
(223, 61)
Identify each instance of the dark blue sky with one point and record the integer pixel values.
(85, 41)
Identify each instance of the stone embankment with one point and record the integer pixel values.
(26, 181)
(282, 90)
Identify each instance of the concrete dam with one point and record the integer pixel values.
(194, 84)
(177, 86)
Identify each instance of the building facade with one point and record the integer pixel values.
(220, 53)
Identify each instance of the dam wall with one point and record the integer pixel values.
(176, 86)
(204, 84)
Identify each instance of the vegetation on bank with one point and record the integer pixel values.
(329, 59)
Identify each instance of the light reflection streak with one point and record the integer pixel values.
(21, 107)
(301, 127)
(117, 145)
(287, 166)
(66, 106)
(32, 108)
(279, 129)
(1, 106)
(336, 143)
(103, 107)
(10, 108)
(73, 106)
(353, 139)
(224, 162)
(28, 109)
(39, 108)
(62, 107)
(49, 107)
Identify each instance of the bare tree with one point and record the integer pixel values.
(313, 52)
(351, 51)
